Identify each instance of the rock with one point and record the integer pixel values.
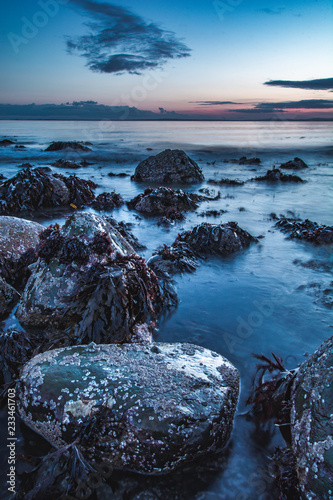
(276, 175)
(161, 200)
(107, 201)
(172, 215)
(170, 166)
(122, 174)
(245, 161)
(8, 298)
(66, 164)
(35, 188)
(306, 230)
(90, 284)
(230, 182)
(124, 230)
(60, 145)
(18, 240)
(219, 239)
(6, 142)
(212, 213)
(16, 349)
(312, 424)
(2, 177)
(295, 164)
(175, 403)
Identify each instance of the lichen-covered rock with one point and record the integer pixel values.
(162, 199)
(34, 188)
(169, 166)
(18, 240)
(295, 164)
(90, 283)
(60, 145)
(306, 230)
(8, 298)
(312, 424)
(146, 408)
(218, 239)
(107, 201)
(276, 175)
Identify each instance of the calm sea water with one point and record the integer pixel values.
(261, 300)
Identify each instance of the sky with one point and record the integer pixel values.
(219, 59)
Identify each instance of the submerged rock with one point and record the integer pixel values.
(6, 142)
(8, 298)
(60, 145)
(169, 166)
(276, 175)
(306, 230)
(161, 200)
(218, 239)
(312, 425)
(107, 201)
(35, 188)
(18, 240)
(295, 164)
(175, 403)
(90, 284)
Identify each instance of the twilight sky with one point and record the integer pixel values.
(192, 57)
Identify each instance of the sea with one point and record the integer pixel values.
(275, 297)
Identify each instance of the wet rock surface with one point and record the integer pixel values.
(306, 230)
(175, 404)
(169, 166)
(90, 284)
(8, 298)
(295, 164)
(163, 199)
(18, 240)
(60, 145)
(35, 188)
(276, 175)
(214, 239)
(312, 425)
(107, 201)
(67, 164)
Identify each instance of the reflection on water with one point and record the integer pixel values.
(256, 301)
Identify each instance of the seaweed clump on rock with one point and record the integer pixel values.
(169, 166)
(162, 199)
(107, 201)
(214, 239)
(306, 230)
(35, 188)
(90, 284)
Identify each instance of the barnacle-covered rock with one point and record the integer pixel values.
(175, 403)
(295, 164)
(90, 284)
(312, 424)
(306, 230)
(18, 240)
(276, 175)
(162, 199)
(34, 188)
(169, 166)
(8, 298)
(74, 145)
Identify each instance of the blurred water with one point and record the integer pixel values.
(261, 300)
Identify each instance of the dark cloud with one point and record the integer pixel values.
(213, 103)
(256, 110)
(321, 84)
(120, 41)
(304, 104)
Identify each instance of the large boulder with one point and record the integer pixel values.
(34, 188)
(295, 164)
(312, 424)
(8, 298)
(170, 166)
(18, 240)
(163, 199)
(90, 283)
(146, 408)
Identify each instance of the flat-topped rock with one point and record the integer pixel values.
(169, 166)
(153, 406)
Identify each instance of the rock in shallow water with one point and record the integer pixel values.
(312, 423)
(146, 408)
(169, 166)
(163, 199)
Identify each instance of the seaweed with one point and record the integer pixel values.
(306, 230)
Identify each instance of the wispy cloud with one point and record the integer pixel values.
(120, 41)
(272, 12)
(272, 107)
(321, 84)
(213, 103)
